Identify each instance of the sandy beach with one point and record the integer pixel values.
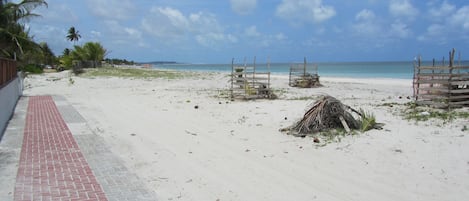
(233, 150)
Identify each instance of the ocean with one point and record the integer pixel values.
(397, 70)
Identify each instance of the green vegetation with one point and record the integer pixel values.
(90, 51)
(411, 111)
(71, 81)
(15, 40)
(426, 113)
(33, 68)
(134, 73)
(73, 35)
(389, 104)
(119, 61)
(302, 98)
(367, 121)
(89, 55)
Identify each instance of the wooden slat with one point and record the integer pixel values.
(424, 75)
(442, 67)
(459, 103)
(431, 103)
(459, 97)
(432, 96)
(440, 89)
(445, 82)
(433, 81)
(458, 82)
(459, 91)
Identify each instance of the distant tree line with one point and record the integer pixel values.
(119, 61)
(15, 40)
(17, 43)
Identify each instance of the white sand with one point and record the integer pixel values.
(234, 150)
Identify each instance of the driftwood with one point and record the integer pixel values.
(325, 114)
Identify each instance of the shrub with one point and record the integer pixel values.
(367, 121)
(32, 68)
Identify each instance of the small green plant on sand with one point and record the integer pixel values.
(71, 81)
(367, 121)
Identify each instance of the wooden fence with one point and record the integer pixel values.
(304, 75)
(8, 71)
(441, 86)
(247, 83)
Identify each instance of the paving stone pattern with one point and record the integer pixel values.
(52, 166)
(45, 146)
(117, 181)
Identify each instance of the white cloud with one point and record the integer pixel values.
(96, 34)
(455, 28)
(56, 12)
(367, 29)
(304, 10)
(203, 22)
(243, 7)
(366, 24)
(442, 10)
(133, 33)
(213, 39)
(264, 40)
(252, 32)
(43, 33)
(370, 28)
(167, 23)
(400, 30)
(119, 34)
(435, 29)
(111, 9)
(365, 14)
(280, 36)
(461, 18)
(434, 33)
(402, 8)
(171, 25)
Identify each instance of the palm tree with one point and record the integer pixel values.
(73, 35)
(66, 52)
(48, 55)
(14, 37)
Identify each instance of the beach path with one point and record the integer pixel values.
(52, 165)
(55, 156)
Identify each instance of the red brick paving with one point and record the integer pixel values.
(52, 167)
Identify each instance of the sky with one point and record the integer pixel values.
(215, 31)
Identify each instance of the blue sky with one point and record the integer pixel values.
(214, 31)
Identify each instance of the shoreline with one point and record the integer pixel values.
(233, 150)
(399, 70)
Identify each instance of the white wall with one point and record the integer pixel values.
(9, 96)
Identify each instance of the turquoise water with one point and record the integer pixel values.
(400, 70)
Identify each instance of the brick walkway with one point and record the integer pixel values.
(52, 166)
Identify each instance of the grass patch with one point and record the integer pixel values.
(421, 113)
(412, 112)
(392, 104)
(303, 98)
(135, 73)
(224, 94)
(426, 113)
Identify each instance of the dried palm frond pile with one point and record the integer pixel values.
(325, 114)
